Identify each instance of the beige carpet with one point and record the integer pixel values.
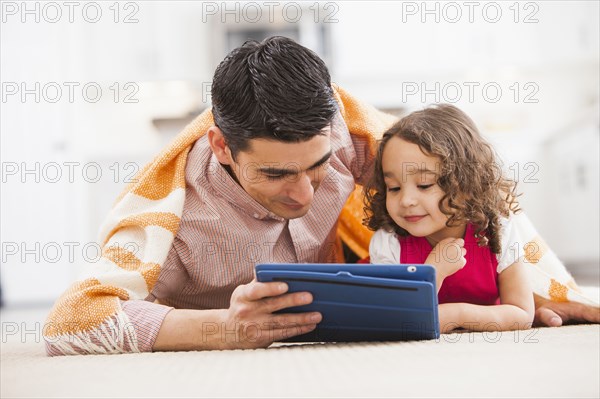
(548, 362)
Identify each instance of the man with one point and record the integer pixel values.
(284, 166)
(264, 182)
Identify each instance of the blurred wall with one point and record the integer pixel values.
(91, 93)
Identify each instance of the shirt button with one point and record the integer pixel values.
(255, 216)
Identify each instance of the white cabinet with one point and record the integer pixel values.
(573, 200)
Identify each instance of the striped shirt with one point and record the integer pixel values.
(224, 232)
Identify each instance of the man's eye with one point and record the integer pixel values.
(274, 177)
(425, 186)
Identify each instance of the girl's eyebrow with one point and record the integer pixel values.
(412, 171)
(421, 170)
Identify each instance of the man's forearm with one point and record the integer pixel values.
(189, 329)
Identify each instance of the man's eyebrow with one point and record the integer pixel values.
(293, 171)
(321, 161)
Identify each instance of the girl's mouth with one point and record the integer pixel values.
(413, 219)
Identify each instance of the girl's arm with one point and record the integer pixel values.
(515, 312)
(447, 257)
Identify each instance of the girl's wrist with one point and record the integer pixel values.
(440, 276)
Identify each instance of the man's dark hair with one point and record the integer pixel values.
(274, 89)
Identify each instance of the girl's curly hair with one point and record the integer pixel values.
(474, 187)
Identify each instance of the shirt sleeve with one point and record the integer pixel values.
(173, 274)
(384, 248)
(146, 319)
(357, 154)
(515, 231)
(365, 160)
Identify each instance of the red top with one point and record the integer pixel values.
(476, 282)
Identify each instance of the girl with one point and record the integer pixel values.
(438, 197)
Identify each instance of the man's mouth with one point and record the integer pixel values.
(293, 205)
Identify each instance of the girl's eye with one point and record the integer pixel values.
(425, 186)
(393, 189)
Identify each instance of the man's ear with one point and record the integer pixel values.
(219, 147)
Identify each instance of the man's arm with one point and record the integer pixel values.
(107, 313)
(248, 323)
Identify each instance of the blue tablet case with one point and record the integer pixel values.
(362, 302)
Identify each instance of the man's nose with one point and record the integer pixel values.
(302, 189)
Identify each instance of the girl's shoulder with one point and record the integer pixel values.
(516, 224)
(516, 231)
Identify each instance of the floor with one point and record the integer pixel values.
(546, 362)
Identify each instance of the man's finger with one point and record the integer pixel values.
(256, 291)
(286, 320)
(284, 333)
(287, 301)
(547, 317)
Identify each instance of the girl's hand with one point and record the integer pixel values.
(448, 257)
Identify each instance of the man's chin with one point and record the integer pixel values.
(287, 212)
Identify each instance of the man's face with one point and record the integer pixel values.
(283, 177)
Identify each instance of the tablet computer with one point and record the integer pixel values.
(362, 302)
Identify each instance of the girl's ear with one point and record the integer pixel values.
(218, 145)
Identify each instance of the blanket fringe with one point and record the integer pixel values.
(115, 335)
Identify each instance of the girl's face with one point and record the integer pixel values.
(413, 194)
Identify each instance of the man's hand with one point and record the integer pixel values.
(448, 257)
(250, 322)
(555, 314)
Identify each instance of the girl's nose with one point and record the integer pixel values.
(408, 198)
